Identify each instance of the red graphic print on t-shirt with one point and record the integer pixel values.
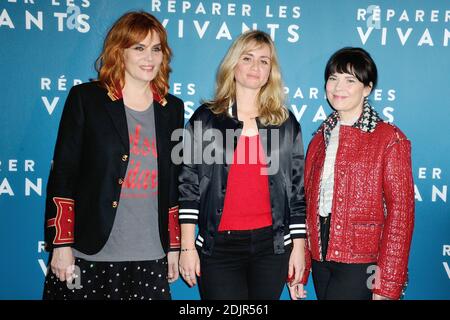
(141, 182)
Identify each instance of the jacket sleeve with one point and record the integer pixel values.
(297, 197)
(174, 226)
(308, 258)
(189, 179)
(60, 203)
(398, 189)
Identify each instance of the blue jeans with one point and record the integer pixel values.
(243, 266)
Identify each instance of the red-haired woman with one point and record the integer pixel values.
(111, 210)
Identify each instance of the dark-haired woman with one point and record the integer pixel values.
(111, 212)
(359, 190)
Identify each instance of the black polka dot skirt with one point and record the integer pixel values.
(134, 280)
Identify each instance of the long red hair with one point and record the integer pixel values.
(131, 28)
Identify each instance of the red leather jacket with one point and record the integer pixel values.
(373, 201)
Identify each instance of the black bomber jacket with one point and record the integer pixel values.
(202, 184)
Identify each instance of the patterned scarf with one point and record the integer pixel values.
(366, 122)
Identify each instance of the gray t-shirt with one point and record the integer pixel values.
(135, 233)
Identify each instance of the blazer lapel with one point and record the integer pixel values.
(162, 125)
(116, 111)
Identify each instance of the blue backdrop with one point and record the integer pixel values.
(49, 45)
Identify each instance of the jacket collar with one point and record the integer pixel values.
(265, 135)
(366, 123)
(116, 110)
(232, 112)
(116, 94)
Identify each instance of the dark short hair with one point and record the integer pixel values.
(356, 61)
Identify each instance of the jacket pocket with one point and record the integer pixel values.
(366, 238)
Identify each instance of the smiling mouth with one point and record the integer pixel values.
(339, 97)
(147, 68)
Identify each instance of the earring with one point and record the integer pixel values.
(366, 101)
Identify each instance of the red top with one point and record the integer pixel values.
(247, 199)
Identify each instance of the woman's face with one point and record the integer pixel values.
(143, 60)
(253, 68)
(346, 93)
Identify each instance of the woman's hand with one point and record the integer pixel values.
(63, 263)
(190, 266)
(297, 291)
(296, 270)
(172, 260)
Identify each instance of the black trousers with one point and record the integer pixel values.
(341, 281)
(243, 266)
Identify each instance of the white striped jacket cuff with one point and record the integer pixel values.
(188, 215)
(297, 230)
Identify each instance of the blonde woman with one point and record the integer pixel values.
(241, 182)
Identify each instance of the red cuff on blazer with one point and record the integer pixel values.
(64, 221)
(174, 228)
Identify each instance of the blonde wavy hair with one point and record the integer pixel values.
(129, 29)
(271, 96)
